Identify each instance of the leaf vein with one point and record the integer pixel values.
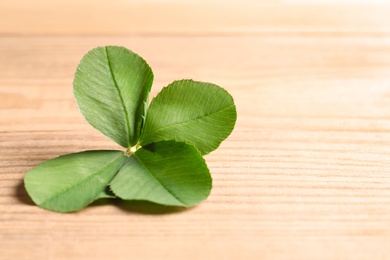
(184, 122)
(121, 98)
(154, 177)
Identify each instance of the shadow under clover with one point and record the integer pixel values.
(21, 194)
(140, 206)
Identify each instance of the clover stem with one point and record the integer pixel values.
(131, 150)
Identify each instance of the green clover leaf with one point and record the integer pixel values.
(71, 182)
(164, 142)
(111, 87)
(201, 114)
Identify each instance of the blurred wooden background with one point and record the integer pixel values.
(305, 174)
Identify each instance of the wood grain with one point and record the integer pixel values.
(204, 17)
(305, 174)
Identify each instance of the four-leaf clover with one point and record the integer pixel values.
(164, 141)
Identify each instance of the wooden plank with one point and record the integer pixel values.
(304, 175)
(91, 17)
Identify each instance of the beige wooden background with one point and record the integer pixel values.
(305, 174)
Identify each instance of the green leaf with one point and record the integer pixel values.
(71, 182)
(165, 172)
(201, 114)
(111, 87)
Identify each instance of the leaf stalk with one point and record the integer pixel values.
(132, 149)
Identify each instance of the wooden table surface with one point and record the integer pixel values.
(304, 175)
